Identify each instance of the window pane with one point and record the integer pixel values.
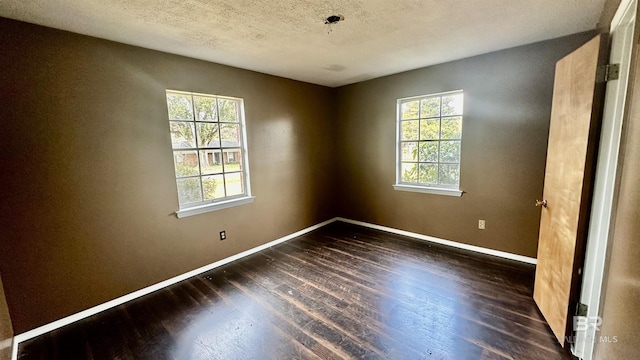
(450, 151)
(429, 129)
(428, 173)
(232, 160)
(449, 174)
(410, 130)
(430, 107)
(182, 135)
(208, 135)
(179, 106)
(206, 108)
(210, 162)
(451, 128)
(452, 105)
(213, 187)
(230, 134)
(186, 163)
(228, 110)
(235, 184)
(432, 125)
(409, 151)
(409, 110)
(409, 172)
(429, 151)
(207, 142)
(189, 190)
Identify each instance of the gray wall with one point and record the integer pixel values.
(88, 179)
(507, 108)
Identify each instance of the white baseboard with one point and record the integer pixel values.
(436, 240)
(136, 294)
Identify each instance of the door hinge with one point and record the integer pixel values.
(581, 309)
(608, 72)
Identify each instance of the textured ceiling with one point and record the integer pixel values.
(288, 38)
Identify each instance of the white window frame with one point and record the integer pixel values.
(437, 189)
(227, 201)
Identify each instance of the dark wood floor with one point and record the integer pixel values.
(337, 293)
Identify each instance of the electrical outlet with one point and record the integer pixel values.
(481, 224)
(223, 235)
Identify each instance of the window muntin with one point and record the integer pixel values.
(209, 148)
(430, 140)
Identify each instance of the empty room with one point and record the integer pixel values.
(321, 179)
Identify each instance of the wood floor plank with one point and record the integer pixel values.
(340, 292)
(262, 312)
(407, 291)
(331, 310)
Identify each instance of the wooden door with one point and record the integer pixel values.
(573, 135)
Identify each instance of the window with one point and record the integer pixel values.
(209, 151)
(429, 138)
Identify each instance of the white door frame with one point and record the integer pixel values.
(622, 33)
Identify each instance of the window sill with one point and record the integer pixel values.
(214, 206)
(429, 190)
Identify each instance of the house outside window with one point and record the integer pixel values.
(429, 143)
(208, 140)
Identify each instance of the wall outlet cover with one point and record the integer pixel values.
(481, 224)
